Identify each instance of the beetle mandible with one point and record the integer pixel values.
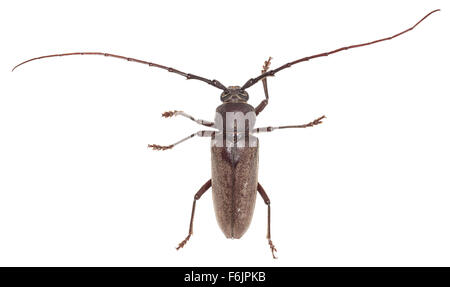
(234, 146)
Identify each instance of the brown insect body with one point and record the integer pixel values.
(234, 159)
(234, 148)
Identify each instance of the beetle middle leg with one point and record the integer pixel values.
(264, 102)
(266, 199)
(317, 121)
(197, 196)
(166, 147)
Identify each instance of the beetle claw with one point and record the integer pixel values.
(182, 243)
(273, 249)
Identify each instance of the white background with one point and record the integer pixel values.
(78, 186)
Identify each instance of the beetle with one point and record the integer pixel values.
(234, 146)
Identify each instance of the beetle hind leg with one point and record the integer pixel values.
(197, 196)
(266, 199)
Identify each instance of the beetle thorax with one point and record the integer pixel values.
(235, 117)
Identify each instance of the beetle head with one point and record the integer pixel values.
(234, 94)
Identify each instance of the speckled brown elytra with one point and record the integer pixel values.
(234, 146)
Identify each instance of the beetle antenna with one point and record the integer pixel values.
(253, 81)
(214, 83)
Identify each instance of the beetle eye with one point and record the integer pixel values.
(225, 96)
(243, 95)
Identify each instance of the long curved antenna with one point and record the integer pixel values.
(253, 81)
(214, 83)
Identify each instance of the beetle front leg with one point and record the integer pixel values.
(181, 113)
(266, 199)
(166, 147)
(264, 102)
(197, 196)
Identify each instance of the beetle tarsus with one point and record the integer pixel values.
(169, 114)
(317, 121)
(266, 66)
(273, 249)
(182, 243)
(160, 147)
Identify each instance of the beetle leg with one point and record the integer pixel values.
(317, 121)
(199, 134)
(197, 196)
(181, 113)
(264, 102)
(266, 199)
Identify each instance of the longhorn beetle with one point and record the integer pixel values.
(234, 148)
